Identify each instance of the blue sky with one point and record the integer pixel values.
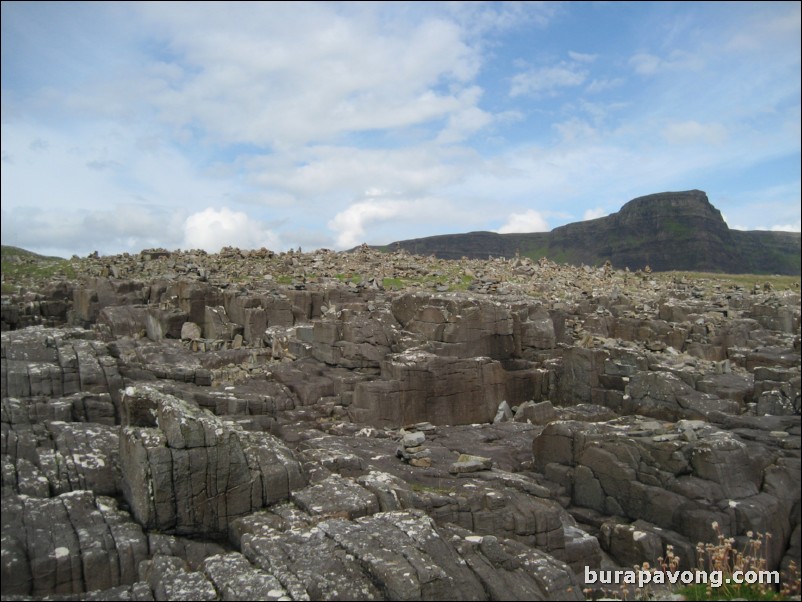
(198, 125)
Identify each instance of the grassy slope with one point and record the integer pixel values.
(20, 266)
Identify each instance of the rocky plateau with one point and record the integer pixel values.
(385, 426)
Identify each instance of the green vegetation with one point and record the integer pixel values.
(20, 267)
(676, 228)
(350, 277)
(725, 559)
(777, 282)
(421, 488)
(393, 283)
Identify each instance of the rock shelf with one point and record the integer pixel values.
(366, 425)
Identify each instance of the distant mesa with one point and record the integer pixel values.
(666, 231)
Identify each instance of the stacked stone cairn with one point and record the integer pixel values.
(411, 449)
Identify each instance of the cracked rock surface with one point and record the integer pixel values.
(254, 425)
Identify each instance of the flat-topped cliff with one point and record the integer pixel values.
(666, 231)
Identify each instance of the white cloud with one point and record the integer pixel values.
(582, 58)
(797, 227)
(693, 132)
(576, 129)
(528, 221)
(321, 170)
(351, 224)
(594, 213)
(286, 75)
(496, 17)
(645, 63)
(463, 124)
(604, 84)
(212, 229)
(768, 31)
(547, 79)
(68, 231)
(303, 107)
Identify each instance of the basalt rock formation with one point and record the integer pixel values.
(666, 231)
(253, 425)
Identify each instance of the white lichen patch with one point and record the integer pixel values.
(89, 461)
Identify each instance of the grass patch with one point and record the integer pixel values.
(21, 266)
(729, 592)
(349, 277)
(421, 488)
(394, 283)
(778, 282)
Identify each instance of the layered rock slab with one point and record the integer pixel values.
(69, 544)
(402, 555)
(185, 471)
(681, 477)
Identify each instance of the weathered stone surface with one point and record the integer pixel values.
(468, 463)
(336, 496)
(69, 544)
(419, 386)
(53, 457)
(663, 395)
(402, 555)
(536, 413)
(679, 477)
(354, 339)
(235, 578)
(56, 362)
(169, 579)
(190, 331)
(334, 364)
(193, 473)
(631, 546)
(458, 327)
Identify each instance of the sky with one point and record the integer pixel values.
(325, 125)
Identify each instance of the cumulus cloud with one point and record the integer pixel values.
(121, 228)
(212, 229)
(693, 132)
(352, 224)
(288, 75)
(303, 107)
(528, 221)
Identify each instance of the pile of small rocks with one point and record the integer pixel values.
(411, 449)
